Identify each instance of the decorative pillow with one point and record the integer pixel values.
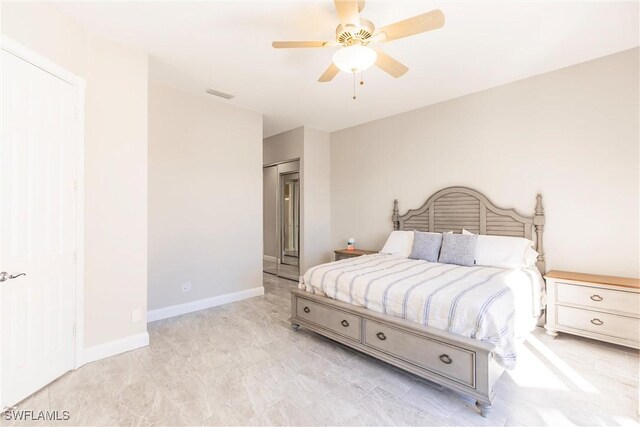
(426, 246)
(458, 249)
(504, 251)
(398, 243)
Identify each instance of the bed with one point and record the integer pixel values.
(454, 325)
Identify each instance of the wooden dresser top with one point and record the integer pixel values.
(625, 282)
(354, 252)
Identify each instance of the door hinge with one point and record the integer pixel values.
(75, 113)
(75, 186)
(74, 330)
(75, 257)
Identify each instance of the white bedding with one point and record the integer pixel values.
(486, 303)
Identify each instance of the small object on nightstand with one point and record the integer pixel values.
(346, 253)
(351, 244)
(604, 308)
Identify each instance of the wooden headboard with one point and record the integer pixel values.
(455, 208)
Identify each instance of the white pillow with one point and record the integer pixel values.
(398, 243)
(531, 257)
(504, 251)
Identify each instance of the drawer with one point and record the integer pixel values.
(452, 362)
(338, 321)
(601, 323)
(598, 298)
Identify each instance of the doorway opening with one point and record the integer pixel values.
(282, 219)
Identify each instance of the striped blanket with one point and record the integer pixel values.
(486, 303)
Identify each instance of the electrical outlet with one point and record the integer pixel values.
(136, 315)
(186, 287)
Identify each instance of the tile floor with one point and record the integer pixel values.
(241, 364)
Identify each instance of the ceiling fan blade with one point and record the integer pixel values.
(418, 24)
(390, 65)
(329, 73)
(300, 44)
(348, 12)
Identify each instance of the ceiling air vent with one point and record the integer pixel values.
(220, 94)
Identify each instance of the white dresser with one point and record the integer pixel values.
(605, 308)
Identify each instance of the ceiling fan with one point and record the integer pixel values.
(354, 36)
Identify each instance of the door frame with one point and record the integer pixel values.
(14, 48)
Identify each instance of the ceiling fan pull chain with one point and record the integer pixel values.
(354, 84)
(361, 78)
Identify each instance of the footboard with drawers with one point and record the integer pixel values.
(453, 361)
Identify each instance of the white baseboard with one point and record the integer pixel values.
(269, 258)
(114, 347)
(190, 307)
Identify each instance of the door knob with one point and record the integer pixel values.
(4, 276)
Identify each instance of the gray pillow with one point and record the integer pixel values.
(458, 249)
(426, 246)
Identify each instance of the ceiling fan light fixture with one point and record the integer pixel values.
(354, 59)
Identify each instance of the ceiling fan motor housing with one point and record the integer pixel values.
(350, 35)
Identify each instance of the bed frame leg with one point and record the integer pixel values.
(295, 327)
(485, 408)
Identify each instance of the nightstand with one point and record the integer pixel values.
(345, 253)
(604, 308)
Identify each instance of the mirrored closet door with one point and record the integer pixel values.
(289, 225)
(281, 186)
(270, 203)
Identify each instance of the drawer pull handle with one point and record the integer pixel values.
(381, 336)
(596, 298)
(344, 323)
(306, 309)
(597, 322)
(445, 359)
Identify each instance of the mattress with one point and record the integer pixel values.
(489, 304)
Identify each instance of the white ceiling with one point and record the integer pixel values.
(226, 45)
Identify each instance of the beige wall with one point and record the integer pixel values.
(48, 32)
(115, 190)
(316, 198)
(115, 162)
(571, 134)
(284, 146)
(205, 197)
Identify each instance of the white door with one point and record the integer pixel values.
(37, 227)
